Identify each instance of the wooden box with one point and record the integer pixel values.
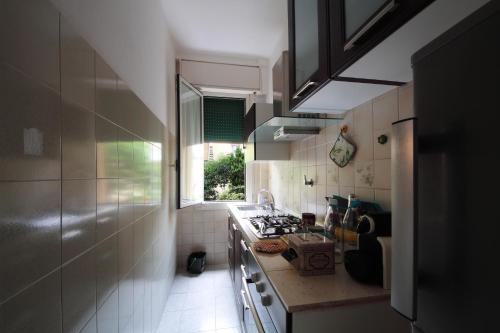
(315, 254)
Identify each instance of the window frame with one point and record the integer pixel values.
(180, 80)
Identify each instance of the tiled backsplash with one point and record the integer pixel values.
(367, 175)
(83, 220)
(256, 178)
(203, 228)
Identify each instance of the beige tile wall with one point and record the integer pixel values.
(256, 178)
(202, 228)
(368, 175)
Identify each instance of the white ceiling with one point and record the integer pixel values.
(249, 28)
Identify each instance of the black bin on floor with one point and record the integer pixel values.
(196, 262)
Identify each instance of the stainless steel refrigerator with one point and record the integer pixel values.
(446, 183)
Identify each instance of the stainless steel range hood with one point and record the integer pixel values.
(291, 133)
(264, 123)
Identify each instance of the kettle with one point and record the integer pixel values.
(266, 199)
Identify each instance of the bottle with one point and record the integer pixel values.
(331, 211)
(349, 223)
(333, 226)
(351, 215)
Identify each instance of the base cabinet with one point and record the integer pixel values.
(234, 254)
(256, 297)
(230, 245)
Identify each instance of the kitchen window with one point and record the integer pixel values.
(210, 156)
(224, 163)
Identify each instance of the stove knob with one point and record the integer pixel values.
(255, 277)
(265, 299)
(260, 286)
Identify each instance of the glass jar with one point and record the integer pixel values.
(347, 231)
(333, 227)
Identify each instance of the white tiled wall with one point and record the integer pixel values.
(368, 175)
(256, 178)
(202, 228)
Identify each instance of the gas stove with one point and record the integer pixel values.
(268, 226)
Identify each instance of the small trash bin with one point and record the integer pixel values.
(196, 262)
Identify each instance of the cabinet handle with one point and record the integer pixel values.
(390, 6)
(258, 322)
(243, 272)
(234, 227)
(244, 299)
(244, 246)
(306, 86)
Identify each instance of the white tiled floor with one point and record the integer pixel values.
(203, 303)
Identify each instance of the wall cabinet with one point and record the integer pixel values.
(326, 37)
(358, 26)
(308, 47)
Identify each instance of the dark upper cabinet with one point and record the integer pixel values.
(308, 48)
(329, 39)
(357, 26)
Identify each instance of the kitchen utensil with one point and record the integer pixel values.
(363, 266)
(366, 225)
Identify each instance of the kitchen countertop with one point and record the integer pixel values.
(301, 293)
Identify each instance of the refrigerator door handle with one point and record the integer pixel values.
(404, 207)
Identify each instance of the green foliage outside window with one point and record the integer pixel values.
(227, 173)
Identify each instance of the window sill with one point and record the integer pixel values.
(214, 205)
(212, 202)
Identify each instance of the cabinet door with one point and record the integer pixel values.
(230, 246)
(308, 43)
(237, 262)
(357, 26)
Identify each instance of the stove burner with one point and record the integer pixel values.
(269, 226)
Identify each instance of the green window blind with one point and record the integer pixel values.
(223, 119)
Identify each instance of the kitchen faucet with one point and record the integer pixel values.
(266, 200)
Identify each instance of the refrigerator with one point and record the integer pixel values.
(446, 183)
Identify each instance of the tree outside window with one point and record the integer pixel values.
(224, 172)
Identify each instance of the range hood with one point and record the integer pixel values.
(290, 133)
(275, 122)
(262, 126)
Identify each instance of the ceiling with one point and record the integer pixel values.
(249, 28)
